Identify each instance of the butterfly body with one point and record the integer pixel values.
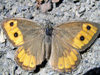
(49, 30)
(59, 44)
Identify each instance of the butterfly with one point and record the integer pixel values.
(59, 44)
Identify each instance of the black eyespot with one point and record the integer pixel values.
(88, 27)
(15, 34)
(82, 38)
(11, 23)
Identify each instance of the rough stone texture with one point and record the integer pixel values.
(66, 11)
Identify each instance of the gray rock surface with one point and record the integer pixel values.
(68, 10)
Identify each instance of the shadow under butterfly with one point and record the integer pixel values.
(94, 71)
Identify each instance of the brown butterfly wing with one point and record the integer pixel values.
(78, 34)
(67, 40)
(29, 38)
(63, 58)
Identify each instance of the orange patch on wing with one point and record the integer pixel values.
(11, 30)
(7, 25)
(92, 31)
(72, 54)
(77, 43)
(72, 62)
(28, 61)
(32, 61)
(21, 54)
(67, 63)
(61, 63)
(87, 32)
